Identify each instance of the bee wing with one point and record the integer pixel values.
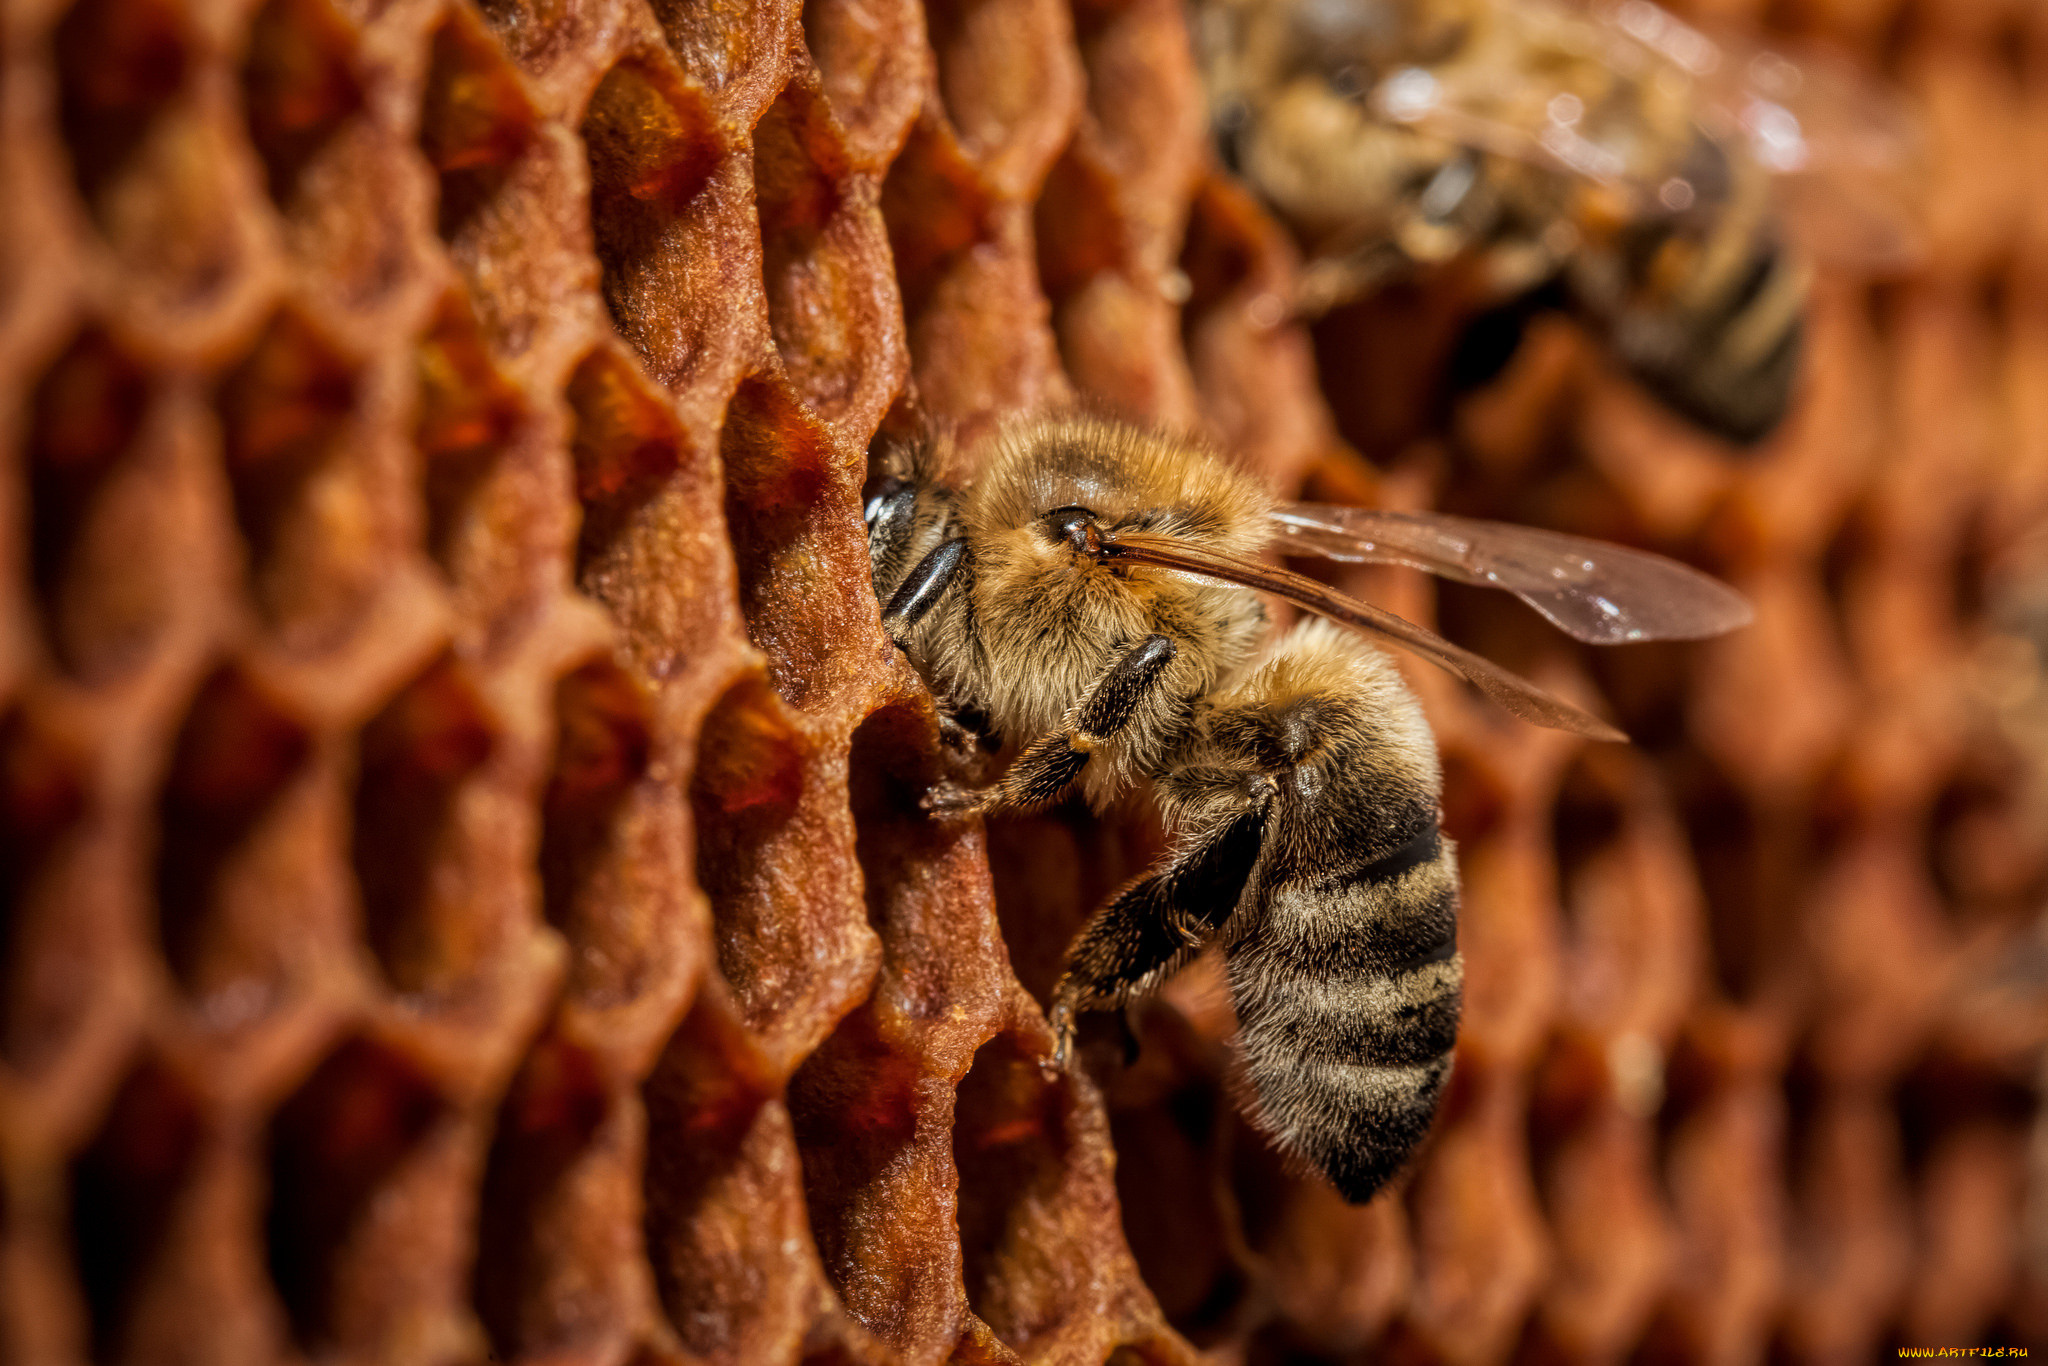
(1846, 153)
(1594, 591)
(1511, 691)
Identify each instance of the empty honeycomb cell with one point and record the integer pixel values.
(100, 482)
(737, 50)
(475, 117)
(353, 230)
(1966, 1235)
(926, 888)
(119, 62)
(872, 59)
(305, 495)
(832, 304)
(936, 208)
(298, 85)
(1613, 1240)
(775, 856)
(558, 1237)
(613, 854)
(652, 546)
(334, 1148)
(51, 912)
(1482, 1251)
(411, 855)
(1853, 1250)
(872, 1125)
(791, 512)
(230, 835)
(465, 404)
(672, 217)
(1011, 85)
(1178, 1232)
(125, 1194)
(727, 1235)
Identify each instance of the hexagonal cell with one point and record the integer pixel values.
(664, 211)
(302, 495)
(736, 51)
(299, 85)
(417, 756)
(96, 497)
(119, 63)
(1012, 1147)
(872, 1125)
(125, 1191)
(1010, 82)
(51, 921)
(936, 209)
(468, 414)
(475, 117)
(790, 508)
(333, 1147)
(614, 875)
(832, 304)
(653, 546)
(726, 1232)
(237, 752)
(555, 1257)
(749, 778)
(868, 54)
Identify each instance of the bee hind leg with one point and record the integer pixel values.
(1155, 924)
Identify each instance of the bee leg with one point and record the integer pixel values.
(1050, 764)
(922, 588)
(1155, 924)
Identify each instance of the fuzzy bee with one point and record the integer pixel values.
(1668, 189)
(1091, 601)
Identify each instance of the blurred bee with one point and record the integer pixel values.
(1616, 163)
(1091, 604)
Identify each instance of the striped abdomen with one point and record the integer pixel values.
(1347, 983)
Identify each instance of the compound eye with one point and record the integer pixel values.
(879, 492)
(1070, 524)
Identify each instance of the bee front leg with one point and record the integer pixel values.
(1050, 764)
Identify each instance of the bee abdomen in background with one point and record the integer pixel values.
(1348, 994)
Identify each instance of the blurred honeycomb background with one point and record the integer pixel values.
(464, 898)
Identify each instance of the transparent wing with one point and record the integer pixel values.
(1609, 94)
(1511, 691)
(1593, 591)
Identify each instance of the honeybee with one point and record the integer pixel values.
(1669, 189)
(1091, 600)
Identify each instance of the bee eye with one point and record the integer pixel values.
(879, 493)
(1070, 524)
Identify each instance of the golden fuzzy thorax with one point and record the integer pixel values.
(1038, 624)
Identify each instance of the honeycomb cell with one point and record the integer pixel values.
(671, 215)
(119, 63)
(869, 56)
(467, 412)
(872, 1133)
(557, 1242)
(936, 209)
(97, 493)
(304, 493)
(1012, 1141)
(832, 305)
(475, 118)
(299, 85)
(736, 51)
(652, 546)
(1010, 84)
(409, 844)
(334, 1148)
(45, 936)
(238, 753)
(726, 1230)
(126, 1191)
(614, 856)
(804, 586)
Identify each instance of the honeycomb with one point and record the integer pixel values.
(465, 898)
